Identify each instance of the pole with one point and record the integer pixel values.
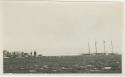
(104, 47)
(89, 47)
(96, 47)
(112, 47)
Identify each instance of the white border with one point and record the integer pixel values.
(56, 75)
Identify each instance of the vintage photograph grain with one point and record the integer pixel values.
(62, 37)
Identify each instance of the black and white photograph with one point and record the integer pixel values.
(62, 37)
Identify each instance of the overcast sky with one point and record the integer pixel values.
(62, 28)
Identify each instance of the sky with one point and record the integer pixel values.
(62, 28)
